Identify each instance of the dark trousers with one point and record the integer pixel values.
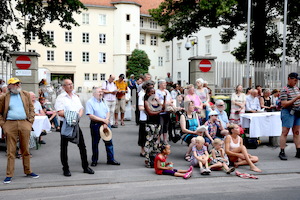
(64, 151)
(95, 143)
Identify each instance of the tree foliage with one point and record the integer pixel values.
(30, 16)
(138, 63)
(184, 17)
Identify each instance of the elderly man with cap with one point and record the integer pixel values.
(290, 114)
(98, 112)
(16, 118)
(66, 103)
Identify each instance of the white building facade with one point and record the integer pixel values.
(109, 31)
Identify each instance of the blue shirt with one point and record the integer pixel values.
(97, 108)
(223, 118)
(16, 109)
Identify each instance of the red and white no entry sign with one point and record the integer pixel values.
(23, 62)
(205, 65)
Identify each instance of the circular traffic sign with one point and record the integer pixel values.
(205, 65)
(23, 62)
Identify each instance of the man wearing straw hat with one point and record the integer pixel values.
(98, 112)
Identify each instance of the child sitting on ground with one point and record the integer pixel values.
(200, 156)
(219, 159)
(161, 165)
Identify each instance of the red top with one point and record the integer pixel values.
(162, 159)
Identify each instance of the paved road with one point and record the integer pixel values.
(132, 178)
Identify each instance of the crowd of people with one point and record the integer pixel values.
(213, 139)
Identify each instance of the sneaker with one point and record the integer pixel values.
(190, 169)
(33, 175)
(7, 180)
(208, 171)
(282, 156)
(202, 171)
(187, 175)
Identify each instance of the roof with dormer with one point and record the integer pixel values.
(145, 4)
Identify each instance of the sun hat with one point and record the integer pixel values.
(213, 112)
(13, 80)
(106, 135)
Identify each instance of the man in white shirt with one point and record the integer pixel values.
(110, 90)
(252, 102)
(69, 101)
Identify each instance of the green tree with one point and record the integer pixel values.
(30, 16)
(138, 63)
(182, 18)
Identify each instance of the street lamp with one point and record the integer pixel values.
(189, 45)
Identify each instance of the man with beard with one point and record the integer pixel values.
(16, 118)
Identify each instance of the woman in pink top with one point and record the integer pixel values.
(191, 96)
(236, 151)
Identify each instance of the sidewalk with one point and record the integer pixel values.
(46, 162)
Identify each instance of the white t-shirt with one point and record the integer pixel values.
(143, 116)
(37, 107)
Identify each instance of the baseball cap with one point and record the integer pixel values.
(294, 75)
(13, 80)
(213, 112)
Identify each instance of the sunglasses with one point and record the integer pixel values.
(220, 105)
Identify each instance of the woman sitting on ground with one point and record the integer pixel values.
(236, 151)
(189, 123)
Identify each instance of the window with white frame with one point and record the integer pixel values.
(178, 75)
(127, 37)
(178, 51)
(153, 40)
(102, 38)
(102, 57)
(68, 56)
(142, 38)
(226, 47)
(68, 36)
(85, 37)
(160, 61)
(86, 76)
(153, 24)
(193, 48)
(208, 44)
(50, 55)
(31, 50)
(50, 34)
(95, 77)
(85, 18)
(141, 22)
(167, 53)
(102, 77)
(102, 20)
(85, 56)
(32, 37)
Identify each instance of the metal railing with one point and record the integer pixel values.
(269, 75)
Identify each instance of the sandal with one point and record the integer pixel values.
(122, 124)
(245, 175)
(187, 157)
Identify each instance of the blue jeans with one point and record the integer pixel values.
(95, 143)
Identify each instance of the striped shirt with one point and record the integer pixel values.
(288, 93)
